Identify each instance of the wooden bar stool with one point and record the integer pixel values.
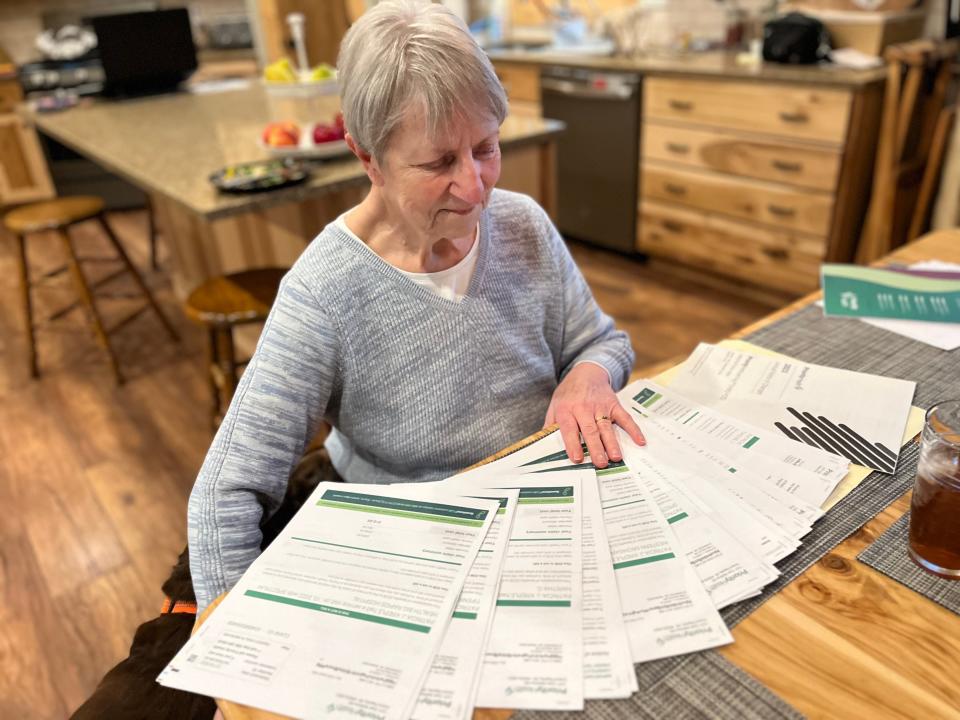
(221, 304)
(58, 215)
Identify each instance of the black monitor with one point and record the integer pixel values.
(145, 52)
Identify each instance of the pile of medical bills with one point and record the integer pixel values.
(529, 582)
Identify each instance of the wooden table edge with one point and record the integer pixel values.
(866, 533)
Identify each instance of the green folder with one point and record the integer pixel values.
(857, 291)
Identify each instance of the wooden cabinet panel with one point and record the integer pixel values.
(326, 24)
(23, 169)
(794, 209)
(786, 260)
(808, 166)
(10, 94)
(521, 81)
(799, 112)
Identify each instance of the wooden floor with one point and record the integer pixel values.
(94, 478)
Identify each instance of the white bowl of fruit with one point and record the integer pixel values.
(282, 79)
(316, 140)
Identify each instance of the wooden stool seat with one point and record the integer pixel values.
(221, 303)
(52, 214)
(234, 299)
(57, 216)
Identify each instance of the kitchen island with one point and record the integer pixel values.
(169, 145)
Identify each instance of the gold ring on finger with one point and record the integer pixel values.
(600, 418)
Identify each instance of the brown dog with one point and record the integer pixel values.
(129, 691)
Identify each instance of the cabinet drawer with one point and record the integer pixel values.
(521, 82)
(738, 154)
(792, 208)
(763, 256)
(796, 112)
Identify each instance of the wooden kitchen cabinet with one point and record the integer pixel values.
(774, 159)
(521, 81)
(759, 182)
(324, 27)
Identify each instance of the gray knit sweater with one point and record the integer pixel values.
(417, 387)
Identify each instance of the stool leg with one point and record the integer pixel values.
(213, 367)
(87, 298)
(27, 305)
(229, 365)
(152, 219)
(136, 276)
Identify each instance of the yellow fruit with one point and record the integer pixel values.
(321, 72)
(280, 71)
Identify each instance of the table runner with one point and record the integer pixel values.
(706, 685)
(888, 554)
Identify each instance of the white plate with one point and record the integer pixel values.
(307, 148)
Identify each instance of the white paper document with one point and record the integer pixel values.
(666, 608)
(450, 689)
(341, 616)
(534, 656)
(856, 415)
(807, 472)
(607, 666)
(788, 512)
(712, 486)
(727, 567)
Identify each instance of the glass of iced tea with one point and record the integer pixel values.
(935, 509)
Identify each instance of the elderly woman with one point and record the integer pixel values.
(433, 324)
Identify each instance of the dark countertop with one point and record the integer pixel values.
(707, 64)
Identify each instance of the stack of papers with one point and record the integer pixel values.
(530, 582)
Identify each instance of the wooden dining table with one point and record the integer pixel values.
(841, 640)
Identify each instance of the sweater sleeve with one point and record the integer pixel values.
(589, 334)
(276, 410)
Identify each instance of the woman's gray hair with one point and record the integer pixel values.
(412, 54)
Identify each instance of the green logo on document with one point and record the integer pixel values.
(644, 395)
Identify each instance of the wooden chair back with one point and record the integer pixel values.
(919, 83)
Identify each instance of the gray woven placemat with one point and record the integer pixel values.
(706, 685)
(888, 554)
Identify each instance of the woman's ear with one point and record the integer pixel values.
(370, 165)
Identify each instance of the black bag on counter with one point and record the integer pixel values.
(795, 39)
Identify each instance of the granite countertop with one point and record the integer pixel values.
(171, 144)
(707, 64)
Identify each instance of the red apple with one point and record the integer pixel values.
(323, 133)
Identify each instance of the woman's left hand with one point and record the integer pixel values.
(585, 404)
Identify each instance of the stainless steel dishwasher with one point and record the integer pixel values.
(598, 155)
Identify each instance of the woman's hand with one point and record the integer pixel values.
(585, 404)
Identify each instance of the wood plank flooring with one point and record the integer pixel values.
(94, 478)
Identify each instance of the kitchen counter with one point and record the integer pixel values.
(169, 145)
(707, 64)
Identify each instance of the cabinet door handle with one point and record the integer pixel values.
(672, 226)
(795, 117)
(775, 253)
(682, 105)
(677, 148)
(675, 189)
(781, 211)
(791, 167)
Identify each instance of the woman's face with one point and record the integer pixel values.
(439, 186)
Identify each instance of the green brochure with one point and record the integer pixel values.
(854, 290)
